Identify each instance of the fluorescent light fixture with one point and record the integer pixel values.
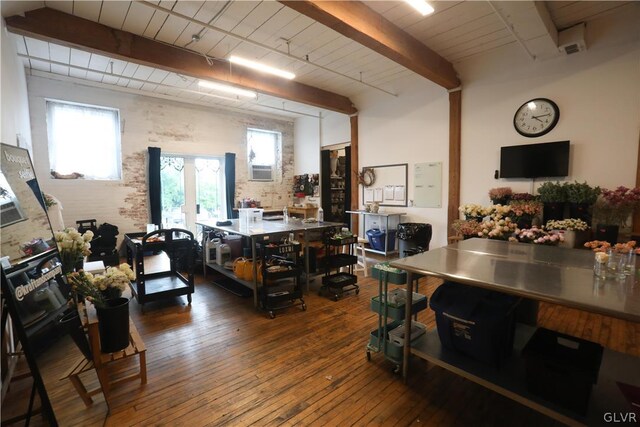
(227, 89)
(261, 67)
(421, 6)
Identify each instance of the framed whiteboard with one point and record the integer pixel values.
(427, 185)
(390, 186)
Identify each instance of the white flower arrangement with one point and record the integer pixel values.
(567, 224)
(471, 210)
(72, 246)
(115, 277)
(499, 211)
(499, 229)
(100, 287)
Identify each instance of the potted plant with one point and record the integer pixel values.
(553, 196)
(500, 195)
(575, 231)
(581, 197)
(612, 210)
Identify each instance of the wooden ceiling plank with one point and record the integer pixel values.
(54, 26)
(357, 21)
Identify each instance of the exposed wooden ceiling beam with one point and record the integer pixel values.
(355, 20)
(68, 30)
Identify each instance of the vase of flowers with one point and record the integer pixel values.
(523, 212)
(581, 197)
(475, 212)
(497, 229)
(575, 231)
(113, 313)
(73, 247)
(466, 228)
(612, 210)
(500, 195)
(553, 197)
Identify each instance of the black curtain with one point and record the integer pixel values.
(347, 184)
(325, 181)
(155, 189)
(230, 181)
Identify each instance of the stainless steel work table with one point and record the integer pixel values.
(543, 273)
(262, 230)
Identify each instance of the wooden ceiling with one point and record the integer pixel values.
(331, 66)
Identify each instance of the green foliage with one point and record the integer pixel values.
(582, 193)
(552, 192)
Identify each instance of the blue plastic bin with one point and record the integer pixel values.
(377, 239)
(475, 321)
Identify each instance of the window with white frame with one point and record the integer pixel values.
(84, 139)
(264, 154)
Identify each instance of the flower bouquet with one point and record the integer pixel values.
(72, 246)
(523, 211)
(614, 207)
(500, 195)
(498, 229)
(473, 211)
(538, 236)
(101, 287)
(466, 228)
(575, 231)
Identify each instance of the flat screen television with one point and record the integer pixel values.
(550, 159)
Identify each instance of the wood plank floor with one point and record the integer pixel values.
(220, 362)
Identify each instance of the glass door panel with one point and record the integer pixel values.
(173, 191)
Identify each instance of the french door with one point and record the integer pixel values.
(192, 190)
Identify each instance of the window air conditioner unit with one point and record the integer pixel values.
(261, 173)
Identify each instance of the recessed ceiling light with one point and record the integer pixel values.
(227, 89)
(261, 67)
(421, 6)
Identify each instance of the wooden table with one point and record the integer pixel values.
(305, 212)
(542, 273)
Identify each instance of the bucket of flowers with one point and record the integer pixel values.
(475, 212)
(612, 210)
(73, 247)
(466, 228)
(105, 292)
(575, 231)
(537, 236)
(523, 211)
(497, 229)
(500, 195)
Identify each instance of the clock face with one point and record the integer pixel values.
(536, 117)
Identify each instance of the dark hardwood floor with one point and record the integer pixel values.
(221, 362)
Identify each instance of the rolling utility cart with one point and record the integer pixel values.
(339, 257)
(389, 337)
(280, 277)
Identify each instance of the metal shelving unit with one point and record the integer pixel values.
(339, 257)
(280, 277)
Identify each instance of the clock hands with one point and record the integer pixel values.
(541, 115)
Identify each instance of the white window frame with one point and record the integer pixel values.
(85, 156)
(277, 164)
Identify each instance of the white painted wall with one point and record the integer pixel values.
(172, 126)
(306, 146)
(410, 128)
(335, 128)
(597, 91)
(13, 95)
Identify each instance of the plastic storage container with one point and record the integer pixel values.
(475, 321)
(249, 216)
(377, 239)
(413, 237)
(397, 277)
(397, 302)
(562, 368)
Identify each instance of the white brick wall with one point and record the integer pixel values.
(172, 126)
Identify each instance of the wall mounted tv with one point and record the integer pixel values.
(550, 159)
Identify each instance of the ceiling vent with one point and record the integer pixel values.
(572, 39)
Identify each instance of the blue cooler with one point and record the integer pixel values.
(377, 239)
(475, 321)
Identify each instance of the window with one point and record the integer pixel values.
(264, 154)
(84, 139)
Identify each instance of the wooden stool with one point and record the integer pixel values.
(362, 264)
(102, 361)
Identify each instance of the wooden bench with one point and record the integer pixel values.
(102, 361)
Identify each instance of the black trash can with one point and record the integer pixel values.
(413, 237)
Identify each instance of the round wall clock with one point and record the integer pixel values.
(536, 117)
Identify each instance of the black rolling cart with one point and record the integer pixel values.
(281, 287)
(340, 260)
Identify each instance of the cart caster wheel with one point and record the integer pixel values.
(272, 315)
(335, 297)
(396, 369)
(357, 291)
(304, 307)
(368, 356)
